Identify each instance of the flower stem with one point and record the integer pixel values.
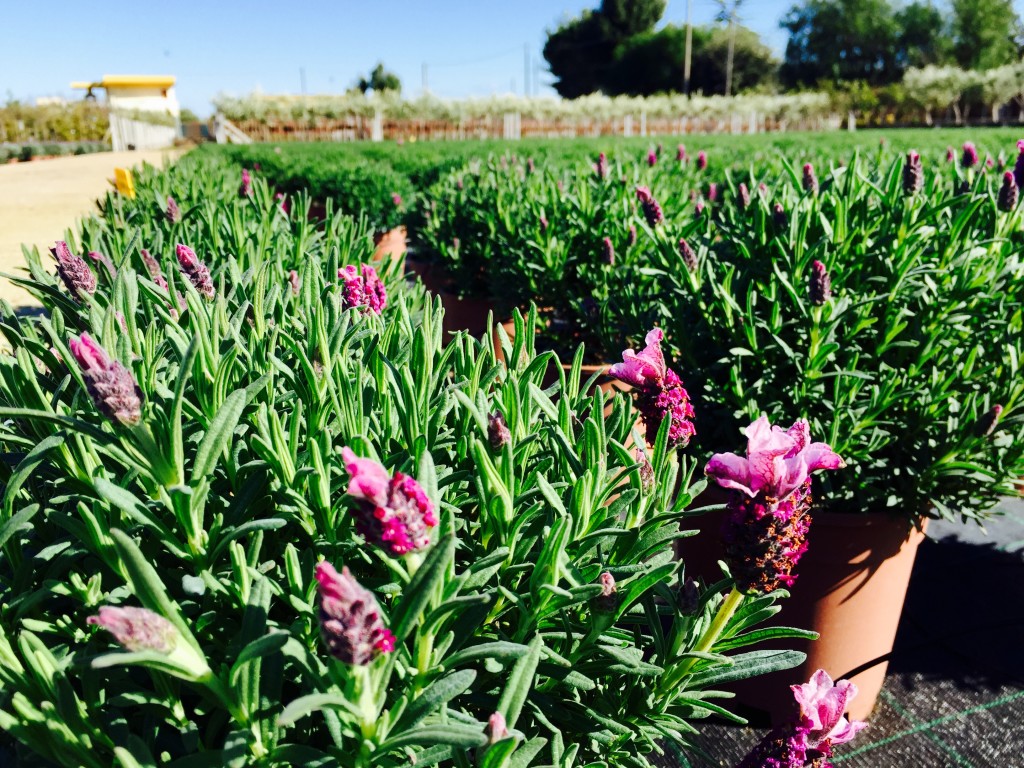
(711, 635)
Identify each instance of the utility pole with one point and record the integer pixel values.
(526, 70)
(689, 48)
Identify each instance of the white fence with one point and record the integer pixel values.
(126, 133)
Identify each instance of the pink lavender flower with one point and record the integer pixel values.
(293, 281)
(950, 155)
(809, 740)
(820, 284)
(543, 223)
(245, 188)
(646, 470)
(363, 289)
(196, 272)
(608, 252)
(73, 271)
(137, 629)
(810, 179)
(396, 199)
(110, 385)
(498, 434)
(989, 162)
(913, 174)
(762, 189)
(659, 391)
(649, 206)
(702, 160)
(699, 207)
(394, 512)
(282, 202)
(969, 158)
(712, 192)
(173, 212)
(687, 255)
(153, 268)
(1008, 193)
(631, 236)
(743, 196)
(608, 599)
(681, 153)
(601, 166)
(766, 530)
(350, 622)
(652, 158)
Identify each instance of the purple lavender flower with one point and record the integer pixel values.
(601, 166)
(245, 188)
(196, 272)
(293, 281)
(820, 284)
(608, 254)
(393, 512)
(497, 728)
(153, 268)
(498, 434)
(543, 223)
(950, 155)
(652, 211)
(103, 259)
(1008, 193)
(137, 629)
(712, 192)
(743, 196)
(779, 215)
(110, 385)
(631, 236)
(687, 255)
(74, 271)
(659, 391)
(173, 212)
(363, 289)
(652, 159)
(396, 199)
(969, 158)
(698, 208)
(987, 424)
(702, 160)
(350, 622)
(913, 174)
(608, 600)
(646, 470)
(681, 153)
(1018, 166)
(810, 179)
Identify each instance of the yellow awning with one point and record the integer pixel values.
(127, 81)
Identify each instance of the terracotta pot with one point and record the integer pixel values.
(390, 245)
(464, 314)
(851, 585)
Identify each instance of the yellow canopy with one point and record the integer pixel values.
(127, 81)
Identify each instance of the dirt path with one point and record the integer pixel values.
(39, 200)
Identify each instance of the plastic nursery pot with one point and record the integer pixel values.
(851, 585)
(391, 244)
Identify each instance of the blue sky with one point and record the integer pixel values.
(470, 47)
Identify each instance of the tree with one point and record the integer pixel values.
(841, 40)
(653, 63)
(728, 13)
(580, 51)
(380, 80)
(924, 37)
(986, 33)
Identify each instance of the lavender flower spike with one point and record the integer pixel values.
(73, 270)
(820, 726)
(1009, 193)
(173, 212)
(687, 255)
(350, 622)
(111, 385)
(913, 174)
(137, 629)
(245, 188)
(498, 434)
(196, 272)
(702, 160)
(652, 211)
(393, 512)
(810, 179)
(969, 158)
(601, 166)
(1018, 166)
(365, 290)
(820, 287)
(608, 251)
